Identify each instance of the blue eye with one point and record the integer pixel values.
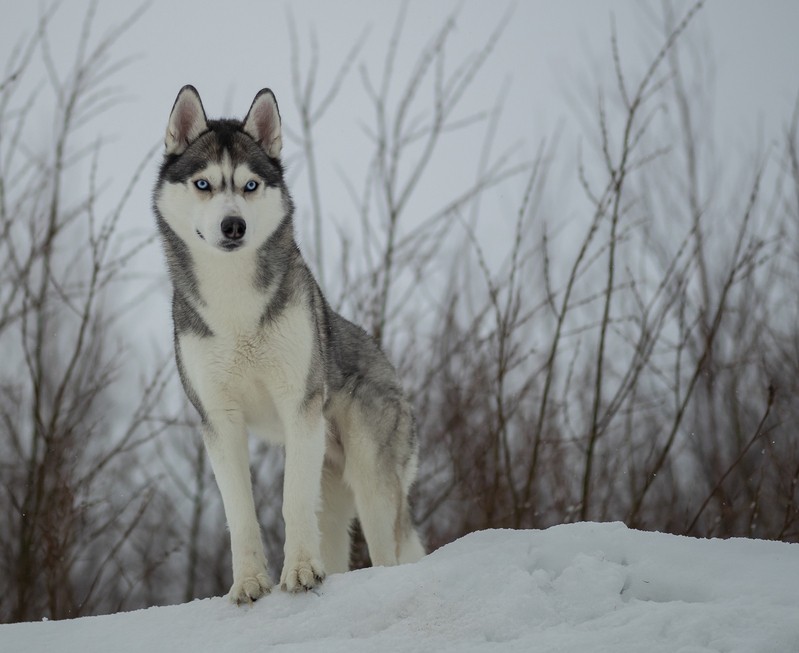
(202, 184)
(250, 186)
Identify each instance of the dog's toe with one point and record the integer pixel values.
(250, 589)
(302, 573)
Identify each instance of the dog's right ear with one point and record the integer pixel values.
(186, 122)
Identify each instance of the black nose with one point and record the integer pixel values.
(233, 227)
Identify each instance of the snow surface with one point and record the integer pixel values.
(579, 587)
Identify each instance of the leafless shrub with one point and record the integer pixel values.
(636, 375)
(69, 503)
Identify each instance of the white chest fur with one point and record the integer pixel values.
(230, 301)
(245, 371)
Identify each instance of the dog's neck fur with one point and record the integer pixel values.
(227, 303)
(215, 290)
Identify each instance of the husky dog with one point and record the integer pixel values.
(259, 349)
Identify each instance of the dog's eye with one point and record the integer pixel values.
(202, 184)
(250, 186)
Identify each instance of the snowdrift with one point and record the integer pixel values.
(579, 587)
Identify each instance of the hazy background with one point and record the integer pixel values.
(551, 55)
(581, 339)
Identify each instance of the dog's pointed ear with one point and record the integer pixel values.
(263, 123)
(186, 122)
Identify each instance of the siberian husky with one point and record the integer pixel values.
(259, 350)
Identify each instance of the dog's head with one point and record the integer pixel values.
(221, 182)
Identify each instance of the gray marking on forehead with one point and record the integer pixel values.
(223, 137)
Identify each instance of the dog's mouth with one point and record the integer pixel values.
(230, 245)
(227, 244)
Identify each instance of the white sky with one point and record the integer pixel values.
(550, 51)
(550, 48)
(230, 51)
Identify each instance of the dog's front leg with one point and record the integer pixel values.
(227, 449)
(305, 451)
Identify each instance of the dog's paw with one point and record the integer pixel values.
(301, 572)
(250, 588)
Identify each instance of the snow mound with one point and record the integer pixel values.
(578, 587)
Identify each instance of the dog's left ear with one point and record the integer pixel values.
(263, 123)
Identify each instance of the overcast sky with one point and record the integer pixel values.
(549, 52)
(231, 50)
(227, 50)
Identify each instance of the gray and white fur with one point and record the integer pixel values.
(260, 350)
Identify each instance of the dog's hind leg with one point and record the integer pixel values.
(386, 522)
(411, 548)
(377, 504)
(229, 456)
(379, 471)
(410, 545)
(335, 519)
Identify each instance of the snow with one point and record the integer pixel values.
(580, 587)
